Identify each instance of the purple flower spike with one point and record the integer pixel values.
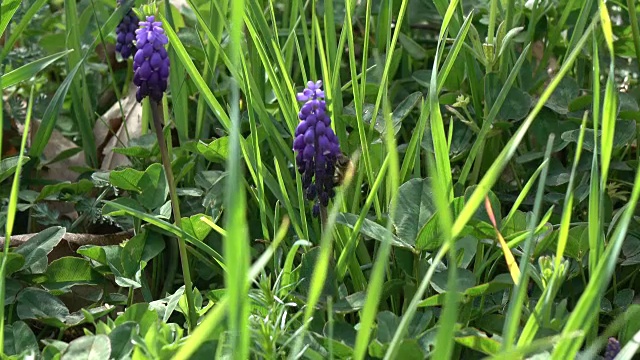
(316, 145)
(125, 33)
(151, 61)
(613, 348)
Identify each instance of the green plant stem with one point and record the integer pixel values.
(127, 81)
(323, 216)
(130, 297)
(164, 153)
(171, 268)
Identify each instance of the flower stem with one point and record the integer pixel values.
(323, 217)
(182, 247)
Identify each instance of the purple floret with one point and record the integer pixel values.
(613, 348)
(316, 145)
(151, 61)
(125, 34)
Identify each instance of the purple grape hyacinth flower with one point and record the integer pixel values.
(151, 61)
(126, 33)
(316, 145)
(613, 348)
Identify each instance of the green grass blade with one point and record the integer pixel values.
(495, 108)
(217, 315)
(81, 101)
(587, 307)
(596, 245)
(24, 22)
(215, 23)
(358, 101)
(515, 305)
(287, 202)
(629, 351)
(580, 25)
(413, 148)
(29, 70)
(523, 193)
(563, 232)
(7, 9)
(236, 249)
(610, 102)
(443, 194)
(165, 226)
(387, 61)
(178, 86)
(51, 112)
(509, 150)
(635, 30)
(350, 247)
(11, 214)
(377, 277)
(195, 76)
(50, 115)
(440, 143)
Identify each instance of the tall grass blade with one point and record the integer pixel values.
(29, 70)
(178, 85)
(236, 248)
(217, 315)
(587, 307)
(81, 101)
(376, 280)
(519, 293)
(635, 29)
(17, 31)
(11, 215)
(488, 121)
(7, 10)
(563, 232)
(596, 245)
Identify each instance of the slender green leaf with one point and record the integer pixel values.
(26, 72)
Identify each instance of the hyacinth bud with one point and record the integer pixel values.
(151, 61)
(613, 348)
(316, 145)
(126, 33)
